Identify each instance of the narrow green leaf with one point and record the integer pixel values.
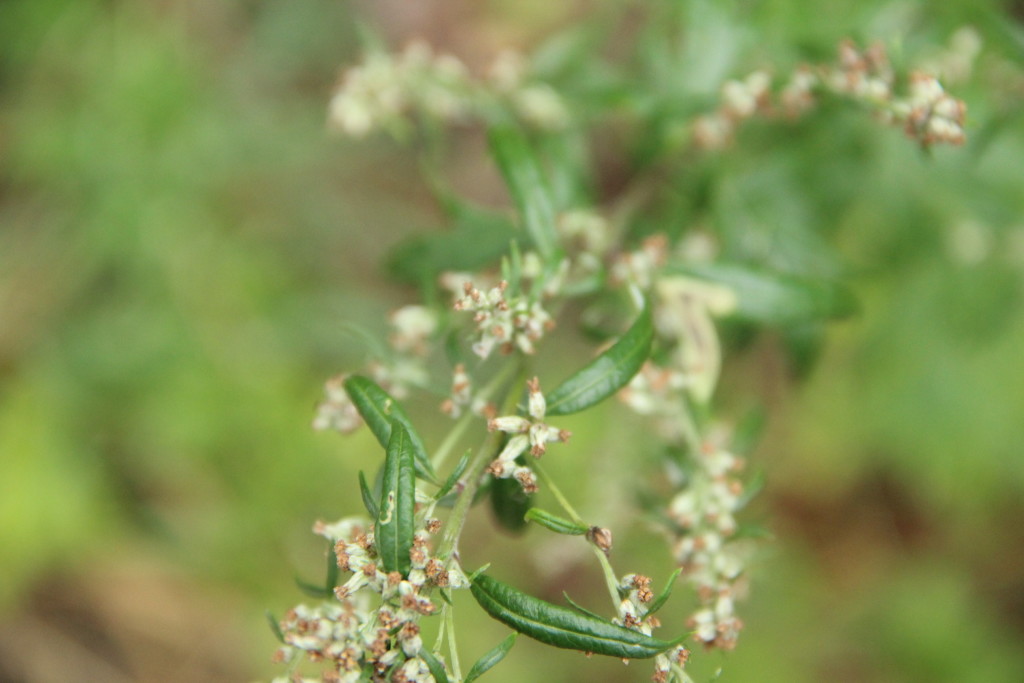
(367, 494)
(580, 608)
(395, 521)
(527, 186)
(607, 373)
(559, 525)
(772, 298)
(561, 626)
(332, 570)
(379, 409)
(435, 666)
(275, 626)
(460, 469)
(662, 598)
(490, 659)
(312, 590)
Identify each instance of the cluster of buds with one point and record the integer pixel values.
(501, 323)
(527, 433)
(713, 563)
(926, 112)
(348, 636)
(740, 100)
(634, 613)
(461, 397)
(386, 88)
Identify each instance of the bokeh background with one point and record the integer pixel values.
(182, 245)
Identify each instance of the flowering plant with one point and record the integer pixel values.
(494, 289)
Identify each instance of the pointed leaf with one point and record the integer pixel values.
(395, 521)
(607, 373)
(561, 626)
(378, 409)
(435, 666)
(332, 570)
(580, 608)
(773, 298)
(312, 590)
(490, 659)
(527, 186)
(459, 470)
(275, 626)
(662, 598)
(559, 525)
(367, 494)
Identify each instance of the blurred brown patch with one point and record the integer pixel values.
(131, 621)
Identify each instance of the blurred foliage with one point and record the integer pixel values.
(182, 244)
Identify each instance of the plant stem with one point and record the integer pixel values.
(611, 582)
(473, 475)
(456, 668)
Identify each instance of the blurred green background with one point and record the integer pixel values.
(182, 243)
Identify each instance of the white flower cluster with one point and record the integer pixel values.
(386, 90)
(350, 638)
(703, 512)
(926, 112)
(507, 325)
(462, 397)
(531, 434)
(634, 614)
(740, 100)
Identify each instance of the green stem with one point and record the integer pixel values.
(456, 433)
(456, 668)
(473, 475)
(611, 582)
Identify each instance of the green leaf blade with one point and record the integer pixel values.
(527, 186)
(490, 659)
(378, 409)
(607, 373)
(396, 519)
(559, 525)
(771, 298)
(435, 666)
(561, 626)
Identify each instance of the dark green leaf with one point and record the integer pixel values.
(395, 522)
(437, 669)
(332, 571)
(561, 626)
(527, 186)
(367, 494)
(510, 503)
(555, 523)
(489, 659)
(776, 298)
(378, 409)
(460, 468)
(662, 598)
(607, 373)
(275, 626)
(580, 608)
